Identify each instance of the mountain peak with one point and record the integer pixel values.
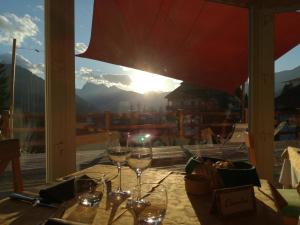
(284, 76)
(91, 87)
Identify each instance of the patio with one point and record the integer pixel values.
(60, 25)
(263, 48)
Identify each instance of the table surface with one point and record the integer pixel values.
(182, 208)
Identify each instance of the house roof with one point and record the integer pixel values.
(188, 91)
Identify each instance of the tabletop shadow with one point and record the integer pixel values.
(20, 213)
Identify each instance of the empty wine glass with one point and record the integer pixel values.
(118, 155)
(140, 156)
(88, 190)
(148, 204)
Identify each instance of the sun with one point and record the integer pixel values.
(144, 82)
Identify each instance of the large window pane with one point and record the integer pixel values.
(24, 21)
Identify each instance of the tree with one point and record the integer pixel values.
(4, 87)
(4, 98)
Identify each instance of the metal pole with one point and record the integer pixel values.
(250, 66)
(12, 89)
(243, 113)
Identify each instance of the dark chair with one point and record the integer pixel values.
(250, 145)
(10, 152)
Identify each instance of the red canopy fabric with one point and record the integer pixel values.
(196, 41)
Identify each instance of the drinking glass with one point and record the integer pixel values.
(140, 153)
(88, 190)
(118, 155)
(148, 204)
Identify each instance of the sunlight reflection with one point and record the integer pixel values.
(144, 82)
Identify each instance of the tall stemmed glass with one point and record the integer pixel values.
(140, 153)
(118, 155)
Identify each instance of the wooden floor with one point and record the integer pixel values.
(174, 157)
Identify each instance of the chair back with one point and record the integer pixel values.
(239, 133)
(207, 135)
(250, 145)
(279, 127)
(10, 152)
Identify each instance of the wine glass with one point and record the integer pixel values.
(118, 155)
(140, 156)
(148, 204)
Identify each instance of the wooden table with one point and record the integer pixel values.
(182, 208)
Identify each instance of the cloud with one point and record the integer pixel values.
(36, 19)
(85, 70)
(97, 77)
(37, 69)
(123, 79)
(40, 7)
(38, 42)
(21, 28)
(80, 47)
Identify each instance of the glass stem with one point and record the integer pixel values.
(135, 220)
(120, 177)
(138, 177)
(139, 181)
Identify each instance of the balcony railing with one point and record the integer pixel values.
(174, 126)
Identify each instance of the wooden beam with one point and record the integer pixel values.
(269, 5)
(60, 88)
(236, 3)
(261, 99)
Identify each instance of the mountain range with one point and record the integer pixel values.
(116, 100)
(29, 96)
(29, 93)
(282, 77)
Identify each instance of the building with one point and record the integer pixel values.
(203, 108)
(193, 97)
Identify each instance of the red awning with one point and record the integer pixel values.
(196, 41)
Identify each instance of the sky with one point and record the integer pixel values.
(24, 20)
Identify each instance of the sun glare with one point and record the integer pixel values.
(144, 82)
